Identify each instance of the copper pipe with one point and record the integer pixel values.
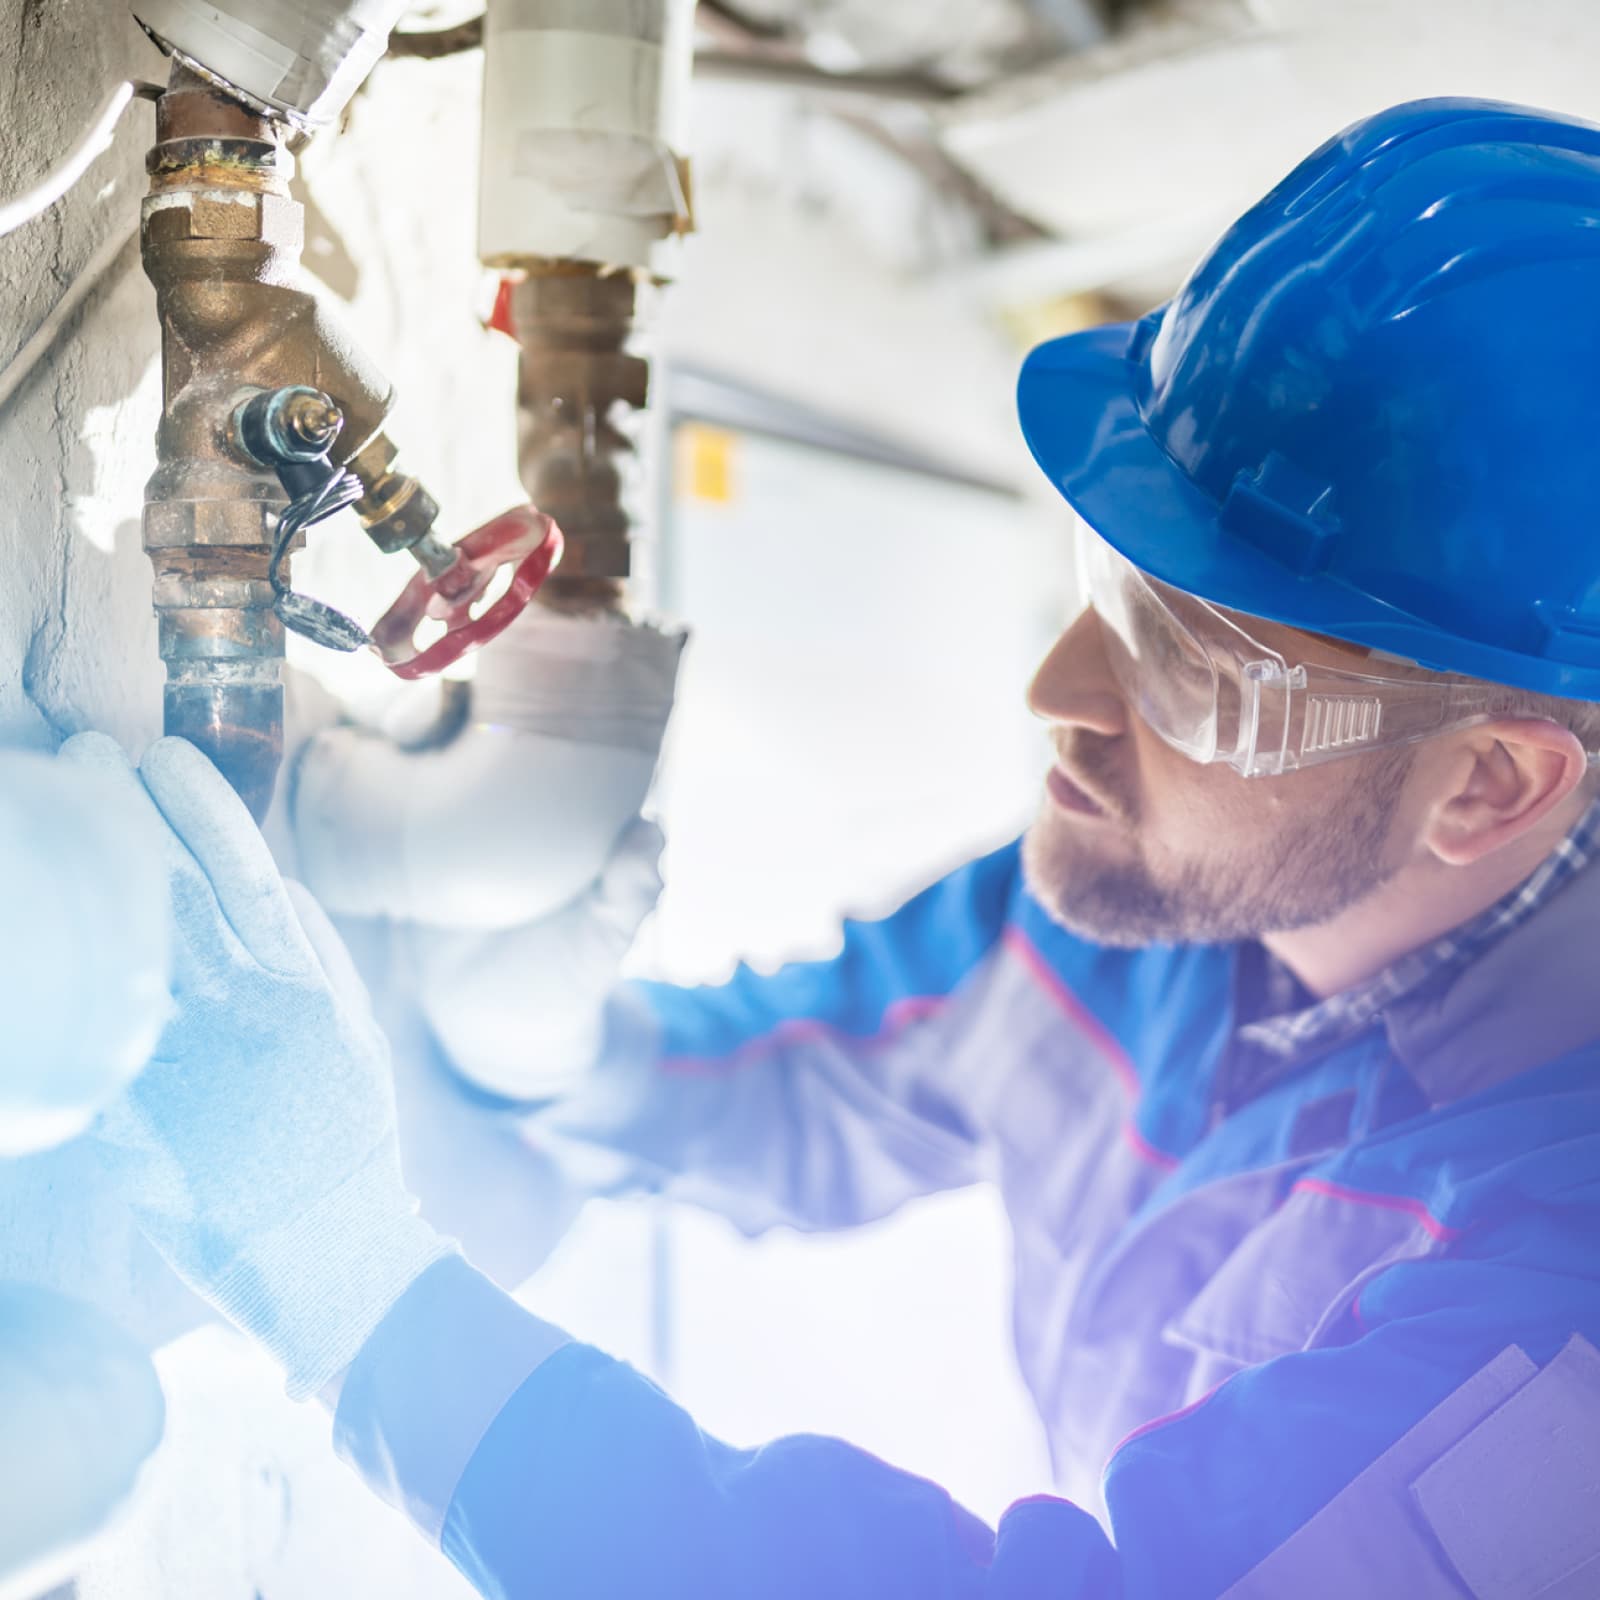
(580, 382)
(433, 44)
(221, 239)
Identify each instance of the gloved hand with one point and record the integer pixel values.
(80, 1413)
(83, 948)
(518, 1011)
(258, 1148)
(518, 813)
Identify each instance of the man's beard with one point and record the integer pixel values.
(1304, 871)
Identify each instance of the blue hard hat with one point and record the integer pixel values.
(1372, 410)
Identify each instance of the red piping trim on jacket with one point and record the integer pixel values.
(1415, 1209)
(1357, 1315)
(1026, 951)
(1162, 1421)
(1146, 1151)
(800, 1030)
(1082, 1018)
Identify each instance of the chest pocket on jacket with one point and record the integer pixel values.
(1295, 1274)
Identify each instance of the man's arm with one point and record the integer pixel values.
(1443, 1433)
(542, 1466)
(1447, 1452)
(821, 1096)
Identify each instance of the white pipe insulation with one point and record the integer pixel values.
(584, 108)
(519, 812)
(584, 131)
(84, 927)
(300, 59)
(81, 1413)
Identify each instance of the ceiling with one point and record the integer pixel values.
(1112, 142)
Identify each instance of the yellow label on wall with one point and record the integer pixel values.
(704, 464)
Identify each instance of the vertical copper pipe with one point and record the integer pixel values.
(221, 243)
(580, 382)
(217, 218)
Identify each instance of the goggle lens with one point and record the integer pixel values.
(1215, 693)
(1168, 676)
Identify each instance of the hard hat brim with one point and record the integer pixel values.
(1081, 420)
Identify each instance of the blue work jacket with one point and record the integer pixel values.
(1338, 1339)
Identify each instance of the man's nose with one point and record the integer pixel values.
(1074, 686)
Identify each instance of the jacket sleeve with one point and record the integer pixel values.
(822, 1095)
(1448, 1451)
(542, 1467)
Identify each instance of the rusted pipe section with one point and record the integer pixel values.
(580, 384)
(221, 241)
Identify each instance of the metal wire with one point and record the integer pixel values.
(55, 183)
(316, 620)
(432, 44)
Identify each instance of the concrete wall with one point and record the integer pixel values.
(77, 640)
(784, 288)
(73, 444)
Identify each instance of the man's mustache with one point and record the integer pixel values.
(1094, 764)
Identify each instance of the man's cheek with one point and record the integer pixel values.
(1184, 829)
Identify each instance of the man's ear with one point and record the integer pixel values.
(1520, 769)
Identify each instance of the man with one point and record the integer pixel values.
(1282, 1037)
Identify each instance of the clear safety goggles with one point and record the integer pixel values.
(1215, 694)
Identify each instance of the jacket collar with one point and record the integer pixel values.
(1529, 997)
(1450, 1007)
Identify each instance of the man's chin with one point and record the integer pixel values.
(1085, 889)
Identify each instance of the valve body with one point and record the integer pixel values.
(221, 240)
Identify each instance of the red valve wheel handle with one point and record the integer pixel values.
(524, 537)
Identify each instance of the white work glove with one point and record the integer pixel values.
(257, 1149)
(83, 948)
(518, 1011)
(80, 1414)
(520, 811)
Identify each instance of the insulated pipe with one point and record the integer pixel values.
(81, 1414)
(584, 199)
(300, 60)
(584, 105)
(83, 948)
(568, 709)
(96, 138)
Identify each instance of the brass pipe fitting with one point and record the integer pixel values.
(221, 239)
(580, 382)
(397, 512)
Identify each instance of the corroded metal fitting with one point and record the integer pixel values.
(221, 239)
(580, 384)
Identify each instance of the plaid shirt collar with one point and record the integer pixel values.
(1279, 1024)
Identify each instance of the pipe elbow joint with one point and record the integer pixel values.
(520, 812)
(500, 827)
(84, 932)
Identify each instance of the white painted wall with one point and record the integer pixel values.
(77, 641)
